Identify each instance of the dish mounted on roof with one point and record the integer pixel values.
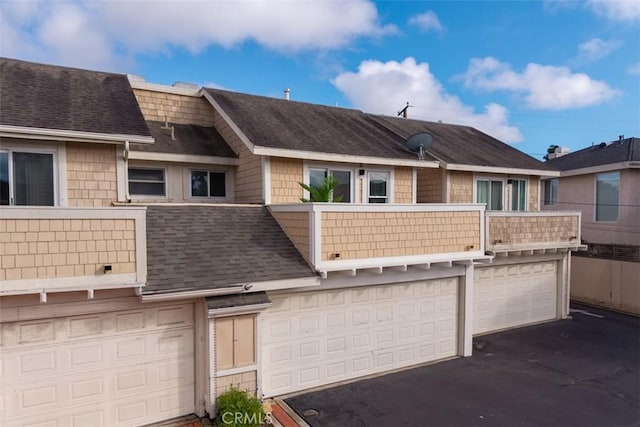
(419, 143)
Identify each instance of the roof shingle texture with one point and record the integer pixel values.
(626, 150)
(208, 247)
(189, 139)
(52, 97)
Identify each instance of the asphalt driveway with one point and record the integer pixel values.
(579, 372)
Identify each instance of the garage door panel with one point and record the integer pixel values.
(97, 365)
(514, 295)
(375, 329)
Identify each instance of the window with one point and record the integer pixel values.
(489, 192)
(208, 184)
(378, 187)
(551, 192)
(146, 182)
(518, 194)
(26, 179)
(235, 341)
(316, 176)
(607, 193)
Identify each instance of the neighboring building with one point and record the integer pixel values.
(602, 182)
(154, 249)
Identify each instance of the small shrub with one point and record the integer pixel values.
(235, 408)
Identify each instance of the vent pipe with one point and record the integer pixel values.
(287, 94)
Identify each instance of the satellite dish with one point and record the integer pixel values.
(419, 143)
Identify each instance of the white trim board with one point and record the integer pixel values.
(71, 135)
(182, 158)
(154, 87)
(499, 170)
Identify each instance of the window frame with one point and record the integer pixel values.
(209, 172)
(551, 199)
(490, 179)
(56, 158)
(512, 182)
(327, 168)
(148, 196)
(368, 196)
(595, 198)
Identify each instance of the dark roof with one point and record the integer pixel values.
(52, 97)
(239, 300)
(463, 144)
(626, 150)
(207, 247)
(292, 125)
(189, 139)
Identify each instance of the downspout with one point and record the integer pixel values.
(125, 157)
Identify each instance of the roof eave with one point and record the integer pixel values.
(600, 168)
(24, 132)
(499, 169)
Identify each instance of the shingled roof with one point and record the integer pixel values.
(189, 139)
(625, 150)
(292, 125)
(463, 145)
(51, 97)
(207, 247)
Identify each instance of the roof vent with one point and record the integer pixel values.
(602, 144)
(287, 94)
(558, 152)
(167, 127)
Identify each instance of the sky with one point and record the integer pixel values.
(530, 73)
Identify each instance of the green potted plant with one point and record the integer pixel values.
(323, 192)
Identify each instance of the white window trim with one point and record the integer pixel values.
(347, 168)
(595, 198)
(208, 170)
(503, 179)
(390, 185)
(59, 152)
(526, 196)
(149, 196)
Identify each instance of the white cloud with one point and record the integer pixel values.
(427, 21)
(101, 31)
(543, 86)
(385, 87)
(616, 10)
(634, 68)
(596, 49)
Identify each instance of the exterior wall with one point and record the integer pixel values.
(430, 185)
(248, 179)
(38, 249)
(606, 283)
(246, 381)
(91, 174)
(460, 187)
(518, 229)
(534, 197)
(178, 182)
(356, 235)
(296, 226)
(403, 185)
(578, 193)
(285, 176)
(175, 108)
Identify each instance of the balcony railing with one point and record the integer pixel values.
(340, 236)
(514, 231)
(47, 249)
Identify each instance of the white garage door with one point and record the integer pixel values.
(316, 338)
(514, 295)
(109, 369)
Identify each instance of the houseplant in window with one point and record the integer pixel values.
(322, 192)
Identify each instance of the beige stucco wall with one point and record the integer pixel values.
(248, 178)
(91, 174)
(430, 185)
(521, 229)
(175, 108)
(42, 248)
(460, 187)
(403, 185)
(577, 193)
(286, 174)
(356, 235)
(606, 283)
(296, 226)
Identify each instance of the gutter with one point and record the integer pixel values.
(201, 293)
(71, 135)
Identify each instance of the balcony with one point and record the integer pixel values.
(54, 249)
(528, 232)
(340, 236)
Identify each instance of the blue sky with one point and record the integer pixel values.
(531, 73)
